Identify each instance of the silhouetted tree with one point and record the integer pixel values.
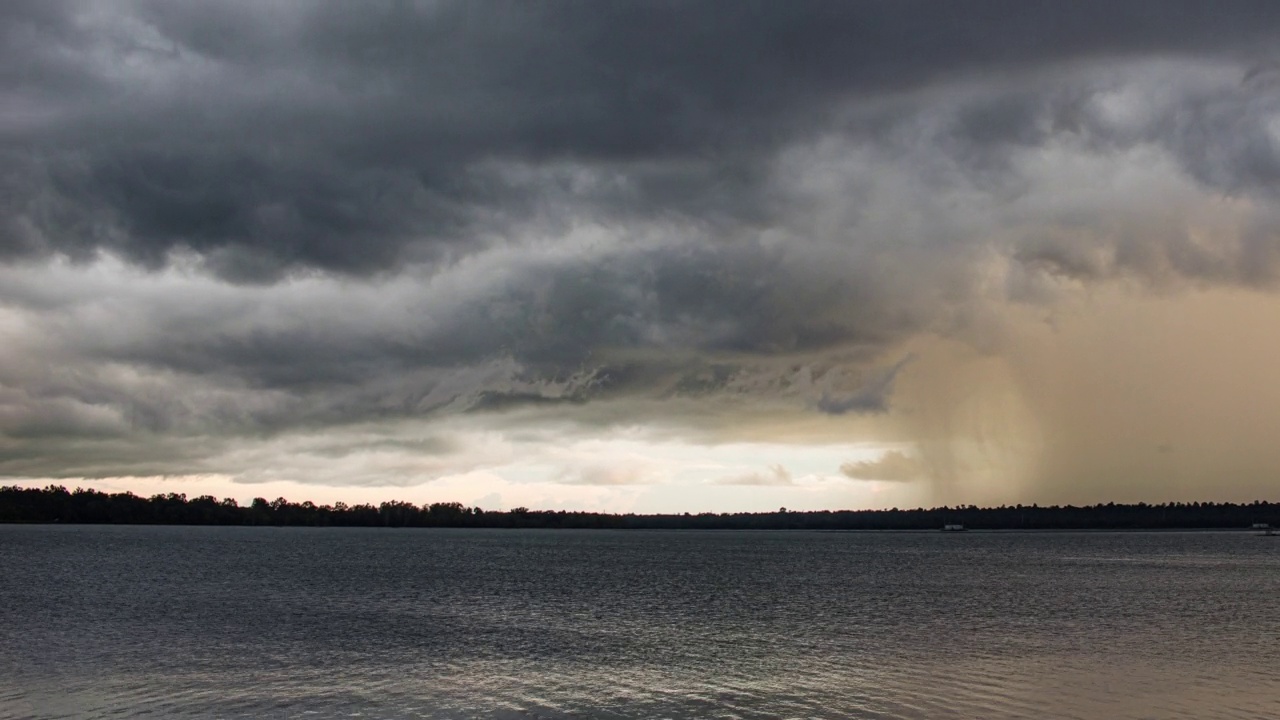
(56, 504)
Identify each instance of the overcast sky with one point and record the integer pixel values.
(642, 256)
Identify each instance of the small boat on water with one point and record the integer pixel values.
(953, 527)
(1267, 530)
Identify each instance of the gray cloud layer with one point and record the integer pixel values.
(237, 219)
(266, 138)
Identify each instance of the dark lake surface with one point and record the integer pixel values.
(187, 622)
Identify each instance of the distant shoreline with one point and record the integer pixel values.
(57, 505)
(569, 529)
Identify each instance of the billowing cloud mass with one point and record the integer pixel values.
(566, 254)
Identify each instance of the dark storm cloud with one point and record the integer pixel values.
(243, 219)
(279, 136)
(167, 354)
(872, 397)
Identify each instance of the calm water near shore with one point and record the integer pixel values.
(189, 622)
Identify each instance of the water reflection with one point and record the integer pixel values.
(249, 623)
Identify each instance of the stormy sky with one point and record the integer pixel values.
(642, 255)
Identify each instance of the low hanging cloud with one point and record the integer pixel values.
(320, 224)
(892, 466)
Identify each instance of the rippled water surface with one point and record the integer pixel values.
(181, 622)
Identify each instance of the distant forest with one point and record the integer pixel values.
(56, 504)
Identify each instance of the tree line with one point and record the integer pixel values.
(56, 504)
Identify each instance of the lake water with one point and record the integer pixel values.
(183, 622)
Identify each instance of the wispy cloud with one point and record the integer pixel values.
(776, 475)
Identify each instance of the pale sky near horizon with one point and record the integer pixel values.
(642, 256)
